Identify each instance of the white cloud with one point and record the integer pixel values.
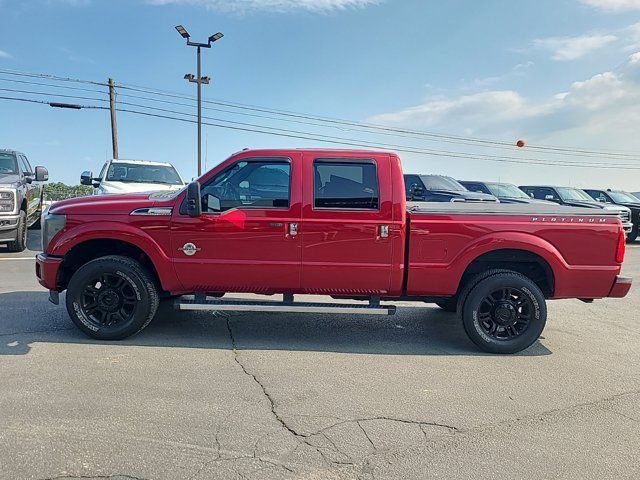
(571, 48)
(605, 105)
(242, 6)
(4, 54)
(613, 5)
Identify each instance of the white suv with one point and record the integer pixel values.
(132, 176)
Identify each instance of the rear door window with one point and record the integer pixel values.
(346, 185)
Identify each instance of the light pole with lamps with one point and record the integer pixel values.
(200, 80)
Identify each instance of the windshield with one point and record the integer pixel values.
(8, 163)
(437, 182)
(140, 173)
(569, 194)
(623, 197)
(506, 190)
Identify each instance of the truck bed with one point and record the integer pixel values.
(453, 208)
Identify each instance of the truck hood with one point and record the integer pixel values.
(584, 204)
(523, 200)
(111, 188)
(9, 179)
(102, 205)
(467, 196)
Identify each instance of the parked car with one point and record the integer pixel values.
(130, 176)
(438, 188)
(575, 197)
(618, 197)
(505, 192)
(21, 198)
(330, 222)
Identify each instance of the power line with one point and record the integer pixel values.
(570, 151)
(224, 123)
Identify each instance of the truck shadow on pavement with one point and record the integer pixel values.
(28, 318)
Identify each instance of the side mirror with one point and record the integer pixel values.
(86, 178)
(416, 190)
(42, 174)
(194, 204)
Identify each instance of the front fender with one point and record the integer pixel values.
(71, 237)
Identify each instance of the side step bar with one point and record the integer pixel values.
(203, 304)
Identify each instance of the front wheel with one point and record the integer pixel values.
(111, 298)
(20, 243)
(633, 234)
(503, 312)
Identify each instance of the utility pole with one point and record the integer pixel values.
(114, 125)
(199, 80)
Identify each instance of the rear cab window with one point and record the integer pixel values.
(345, 184)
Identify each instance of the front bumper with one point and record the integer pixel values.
(47, 269)
(8, 228)
(621, 286)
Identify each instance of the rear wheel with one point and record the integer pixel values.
(111, 298)
(20, 243)
(503, 311)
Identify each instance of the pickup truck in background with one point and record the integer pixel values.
(21, 198)
(505, 192)
(618, 197)
(439, 188)
(575, 197)
(324, 222)
(130, 176)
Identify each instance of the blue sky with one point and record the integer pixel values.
(559, 72)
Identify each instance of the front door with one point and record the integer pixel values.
(348, 233)
(246, 238)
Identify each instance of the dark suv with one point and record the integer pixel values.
(21, 196)
(575, 197)
(618, 197)
(438, 188)
(505, 192)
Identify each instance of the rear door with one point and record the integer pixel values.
(347, 231)
(246, 238)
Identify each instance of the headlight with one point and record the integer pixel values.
(51, 224)
(7, 201)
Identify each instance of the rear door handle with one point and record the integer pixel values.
(293, 229)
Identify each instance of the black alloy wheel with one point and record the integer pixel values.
(505, 313)
(502, 311)
(108, 299)
(111, 298)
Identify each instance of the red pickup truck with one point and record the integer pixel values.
(328, 222)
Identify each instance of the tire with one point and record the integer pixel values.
(633, 235)
(111, 298)
(502, 311)
(448, 305)
(20, 244)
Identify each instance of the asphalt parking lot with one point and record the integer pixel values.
(197, 396)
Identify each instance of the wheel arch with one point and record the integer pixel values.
(526, 262)
(84, 243)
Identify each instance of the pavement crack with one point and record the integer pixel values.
(367, 435)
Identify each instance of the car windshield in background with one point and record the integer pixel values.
(139, 173)
(8, 163)
(506, 190)
(436, 182)
(623, 197)
(569, 194)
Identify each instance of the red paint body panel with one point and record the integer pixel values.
(581, 256)
(336, 252)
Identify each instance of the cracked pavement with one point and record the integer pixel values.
(284, 396)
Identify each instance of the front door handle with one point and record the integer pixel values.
(293, 229)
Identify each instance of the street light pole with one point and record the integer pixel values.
(200, 80)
